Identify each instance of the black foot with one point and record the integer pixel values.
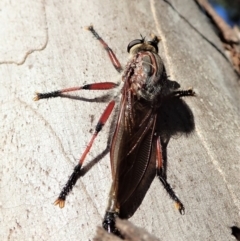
(109, 224)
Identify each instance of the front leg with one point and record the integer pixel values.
(182, 93)
(111, 54)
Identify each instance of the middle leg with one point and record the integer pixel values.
(58, 93)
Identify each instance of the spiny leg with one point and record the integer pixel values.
(76, 172)
(94, 86)
(182, 93)
(111, 54)
(162, 178)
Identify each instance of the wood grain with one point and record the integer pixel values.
(45, 48)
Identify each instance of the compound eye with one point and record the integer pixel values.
(133, 43)
(154, 44)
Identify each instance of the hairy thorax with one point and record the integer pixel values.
(145, 75)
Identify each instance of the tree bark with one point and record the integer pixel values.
(43, 47)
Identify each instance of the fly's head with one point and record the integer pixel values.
(145, 71)
(139, 45)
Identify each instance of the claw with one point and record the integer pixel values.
(37, 96)
(192, 91)
(59, 202)
(89, 27)
(179, 206)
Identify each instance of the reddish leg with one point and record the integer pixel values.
(76, 172)
(162, 178)
(95, 86)
(111, 55)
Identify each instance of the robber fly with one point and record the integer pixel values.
(135, 144)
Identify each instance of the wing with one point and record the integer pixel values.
(132, 146)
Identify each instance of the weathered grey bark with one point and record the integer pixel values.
(43, 48)
(128, 230)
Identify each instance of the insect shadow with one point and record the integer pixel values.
(175, 119)
(236, 232)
